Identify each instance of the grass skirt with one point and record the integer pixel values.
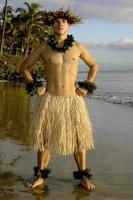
(60, 124)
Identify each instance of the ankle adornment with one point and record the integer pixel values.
(41, 173)
(80, 174)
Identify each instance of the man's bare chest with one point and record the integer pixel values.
(52, 57)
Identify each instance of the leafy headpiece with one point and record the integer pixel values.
(50, 16)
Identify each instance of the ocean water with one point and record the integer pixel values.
(114, 86)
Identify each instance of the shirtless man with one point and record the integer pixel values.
(61, 72)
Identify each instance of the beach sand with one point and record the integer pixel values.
(111, 162)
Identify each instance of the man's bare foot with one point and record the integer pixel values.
(87, 184)
(36, 182)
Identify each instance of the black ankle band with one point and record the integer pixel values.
(42, 173)
(81, 173)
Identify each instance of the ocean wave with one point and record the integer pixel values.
(123, 100)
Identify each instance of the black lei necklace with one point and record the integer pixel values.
(68, 42)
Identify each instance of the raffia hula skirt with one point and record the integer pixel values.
(60, 124)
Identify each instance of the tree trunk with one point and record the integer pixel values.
(11, 46)
(3, 28)
(27, 46)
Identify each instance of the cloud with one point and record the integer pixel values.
(95, 45)
(122, 44)
(50, 4)
(125, 44)
(108, 10)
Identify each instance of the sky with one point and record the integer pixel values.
(107, 28)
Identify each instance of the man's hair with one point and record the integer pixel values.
(50, 16)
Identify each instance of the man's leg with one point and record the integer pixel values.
(43, 158)
(80, 158)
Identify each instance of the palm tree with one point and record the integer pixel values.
(13, 34)
(6, 15)
(30, 22)
(24, 29)
(9, 11)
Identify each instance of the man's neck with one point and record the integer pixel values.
(60, 38)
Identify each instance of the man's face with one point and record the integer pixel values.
(60, 26)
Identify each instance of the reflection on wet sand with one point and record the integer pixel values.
(14, 116)
(7, 183)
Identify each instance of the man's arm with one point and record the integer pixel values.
(30, 61)
(91, 63)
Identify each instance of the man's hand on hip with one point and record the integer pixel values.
(81, 91)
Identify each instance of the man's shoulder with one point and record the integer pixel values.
(40, 48)
(79, 45)
(43, 45)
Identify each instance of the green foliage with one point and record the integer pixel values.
(25, 29)
(9, 69)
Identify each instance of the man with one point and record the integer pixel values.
(61, 122)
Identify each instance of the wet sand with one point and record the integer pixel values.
(111, 161)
